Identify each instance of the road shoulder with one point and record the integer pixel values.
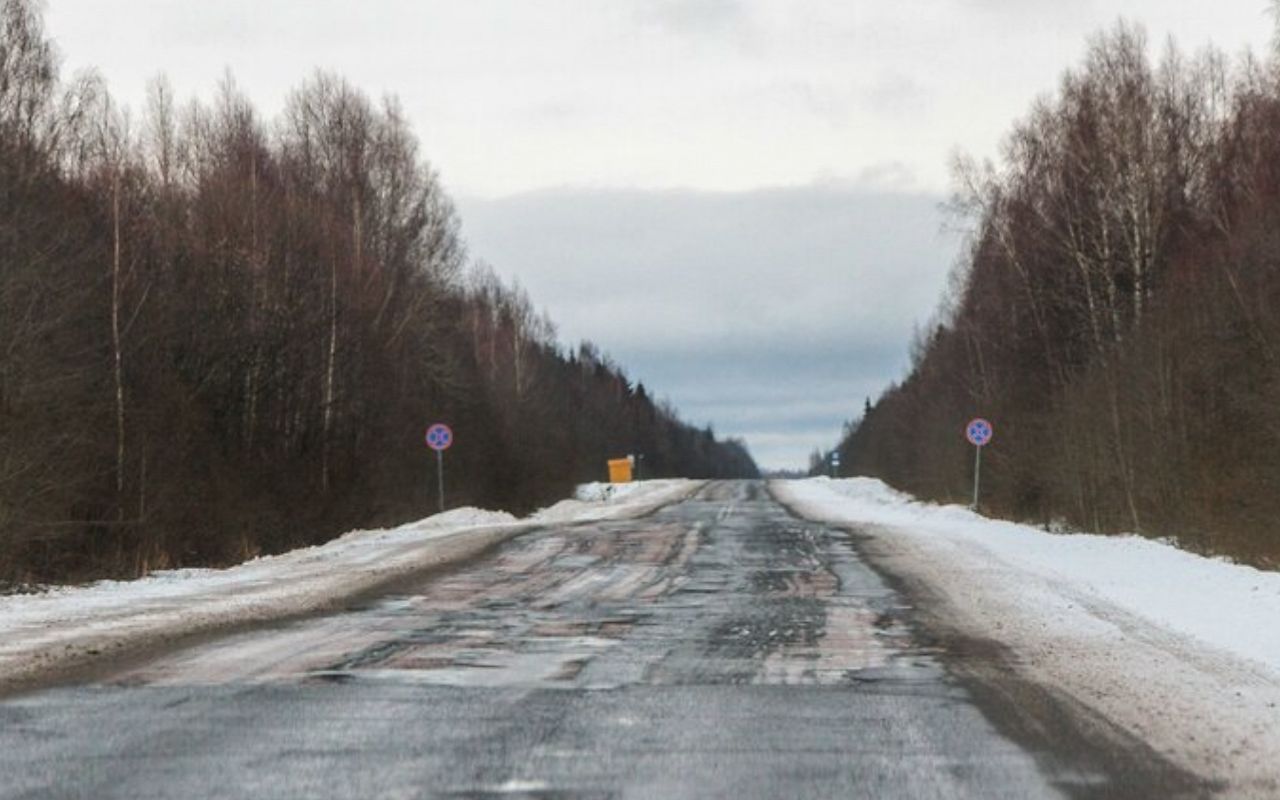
(1074, 660)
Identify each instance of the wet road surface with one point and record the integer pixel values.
(717, 648)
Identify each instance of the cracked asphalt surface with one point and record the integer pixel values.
(719, 647)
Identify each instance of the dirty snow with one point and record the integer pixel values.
(73, 626)
(1180, 650)
(599, 492)
(594, 502)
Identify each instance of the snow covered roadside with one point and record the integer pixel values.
(45, 635)
(597, 502)
(1181, 651)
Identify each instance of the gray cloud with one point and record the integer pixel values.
(897, 94)
(770, 314)
(784, 400)
(1022, 9)
(893, 176)
(699, 17)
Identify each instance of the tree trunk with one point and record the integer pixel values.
(118, 357)
(328, 373)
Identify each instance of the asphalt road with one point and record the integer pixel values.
(717, 648)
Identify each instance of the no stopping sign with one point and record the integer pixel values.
(439, 437)
(979, 432)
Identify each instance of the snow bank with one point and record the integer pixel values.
(600, 492)
(69, 627)
(1229, 606)
(1179, 650)
(597, 502)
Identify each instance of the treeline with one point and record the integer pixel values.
(221, 336)
(1117, 315)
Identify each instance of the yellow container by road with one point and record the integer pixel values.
(619, 470)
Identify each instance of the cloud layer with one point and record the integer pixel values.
(511, 96)
(771, 313)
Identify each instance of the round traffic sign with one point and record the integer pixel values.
(979, 432)
(439, 436)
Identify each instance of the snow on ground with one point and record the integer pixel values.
(1179, 650)
(74, 626)
(594, 502)
(596, 492)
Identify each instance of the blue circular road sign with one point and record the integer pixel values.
(979, 432)
(439, 436)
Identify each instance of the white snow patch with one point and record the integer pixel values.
(1179, 649)
(594, 502)
(601, 492)
(516, 786)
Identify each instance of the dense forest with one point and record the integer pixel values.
(1117, 314)
(222, 336)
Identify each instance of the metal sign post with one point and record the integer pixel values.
(440, 478)
(977, 475)
(979, 433)
(440, 438)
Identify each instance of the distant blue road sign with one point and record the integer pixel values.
(979, 432)
(439, 437)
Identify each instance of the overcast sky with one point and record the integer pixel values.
(737, 199)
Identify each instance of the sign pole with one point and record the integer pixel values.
(979, 433)
(977, 472)
(440, 438)
(440, 478)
